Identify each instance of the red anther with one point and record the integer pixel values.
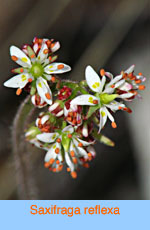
(138, 81)
(74, 175)
(53, 79)
(80, 144)
(95, 102)
(46, 164)
(102, 72)
(75, 161)
(57, 150)
(141, 87)
(51, 161)
(114, 125)
(58, 140)
(19, 91)
(72, 153)
(69, 135)
(112, 86)
(86, 165)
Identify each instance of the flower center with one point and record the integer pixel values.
(107, 98)
(37, 70)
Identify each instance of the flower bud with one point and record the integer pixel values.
(38, 101)
(32, 132)
(56, 109)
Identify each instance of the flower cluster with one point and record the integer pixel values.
(77, 111)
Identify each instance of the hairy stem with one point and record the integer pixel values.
(24, 174)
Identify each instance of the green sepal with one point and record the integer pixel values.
(54, 58)
(33, 132)
(103, 139)
(32, 90)
(107, 98)
(71, 85)
(64, 124)
(83, 91)
(65, 142)
(18, 70)
(91, 110)
(83, 83)
(52, 118)
(30, 52)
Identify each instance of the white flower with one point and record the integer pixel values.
(66, 145)
(104, 95)
(36, 68)
(132, 82)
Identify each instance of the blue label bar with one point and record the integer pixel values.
(74, 214)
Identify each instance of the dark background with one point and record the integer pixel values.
(112, 34)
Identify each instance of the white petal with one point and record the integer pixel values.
(126, 95)
(91, 150)
(92, 79)
(37, 122)
(116, 79)
(102, 83)
(50, 154)
(69, 162)
(130, 69)
(47, 137)
(18, 81)
(126, 87)
(85, 99)
(114, 105)
(43, 89)
(108, 74)
(36, 143)
(119, 83)
(59, 114)
(42, 55)
(41, 104)
(109, 115)
(35, 47)
(85, 130)
(57, 68)
(142, 78)
(72, 147)
(82, 152)
(66, 111)
(48, 76)
(85, 143)
(55, 47)
(23, 60)
(68, 129)
(103, 117)
(53, 107)
(108, 88)
(44, 119)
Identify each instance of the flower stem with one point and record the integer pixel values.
(24, 173)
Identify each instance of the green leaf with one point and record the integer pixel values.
(103, 139)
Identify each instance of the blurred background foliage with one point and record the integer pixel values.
(112, 34)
